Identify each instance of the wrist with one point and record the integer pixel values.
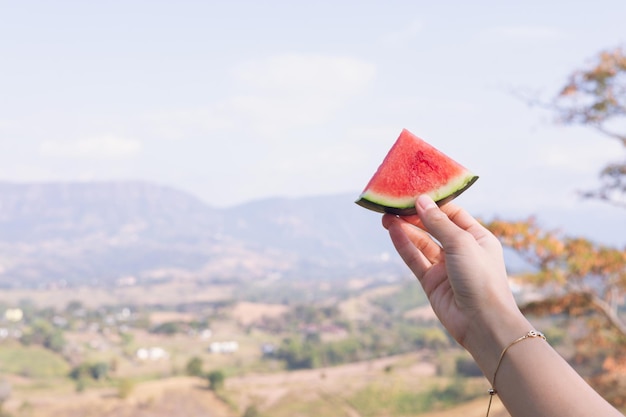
(491, 332)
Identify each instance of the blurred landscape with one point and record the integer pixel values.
(112, 283)
(193, 290)
(127, 298)
(112, 291)
(116, 233)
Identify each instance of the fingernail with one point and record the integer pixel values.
(425, 202)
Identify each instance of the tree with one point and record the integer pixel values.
(194, 366)
(99, 370)
(596, 97)
(594, 273)
(216, 380)
(43, 333)
(579, 279)
(96, 371)
(586, 280)
(168, 328)
(299, 354)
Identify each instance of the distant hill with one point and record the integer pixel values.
(109, 232)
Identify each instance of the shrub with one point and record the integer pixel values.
(216, 380)
(194, 366)
(97, 371)
(168, 328)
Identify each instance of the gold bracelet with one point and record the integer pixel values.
(492, 391)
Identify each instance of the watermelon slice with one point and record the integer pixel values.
(411, 168)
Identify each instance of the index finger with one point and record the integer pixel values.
(467, 222)
(457, 214)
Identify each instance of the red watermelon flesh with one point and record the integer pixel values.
(411, 168)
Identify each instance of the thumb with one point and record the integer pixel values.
(437, 223)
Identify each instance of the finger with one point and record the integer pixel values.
(420, 238)
(440, 225)
(465, 221)
(415, 247)
(423, 242)
(414, 219)
(388, 219)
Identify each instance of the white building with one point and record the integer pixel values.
(224, 347)
(13, 315)
(151, 354)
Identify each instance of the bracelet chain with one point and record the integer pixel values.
(492, 391)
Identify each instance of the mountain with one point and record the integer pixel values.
(330, 227)
(108, 232)
(38, 212)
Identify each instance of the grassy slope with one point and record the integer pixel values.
(337, 391)
(31, 361)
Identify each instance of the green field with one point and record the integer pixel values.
(31, 361)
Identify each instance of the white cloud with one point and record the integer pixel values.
(96, 147)
(288, 91)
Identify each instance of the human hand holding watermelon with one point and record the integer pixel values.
(413, 167)
(462, 272)
(467, 274)
(463, 275)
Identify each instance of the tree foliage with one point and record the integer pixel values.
(580, 279)
(43, 333)
(596, 97)
(577, 270)
(216, 380)
(194, 366)
(96, 371)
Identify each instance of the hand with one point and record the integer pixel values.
(466, 283)
(465, 278)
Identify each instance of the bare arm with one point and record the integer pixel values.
(466, 283)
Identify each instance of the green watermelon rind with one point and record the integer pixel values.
(405, 206)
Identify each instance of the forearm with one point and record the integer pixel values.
(533, 379)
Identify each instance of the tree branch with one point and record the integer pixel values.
(611, 134)
(609, 313)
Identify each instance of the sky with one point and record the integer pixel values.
(234, 101)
